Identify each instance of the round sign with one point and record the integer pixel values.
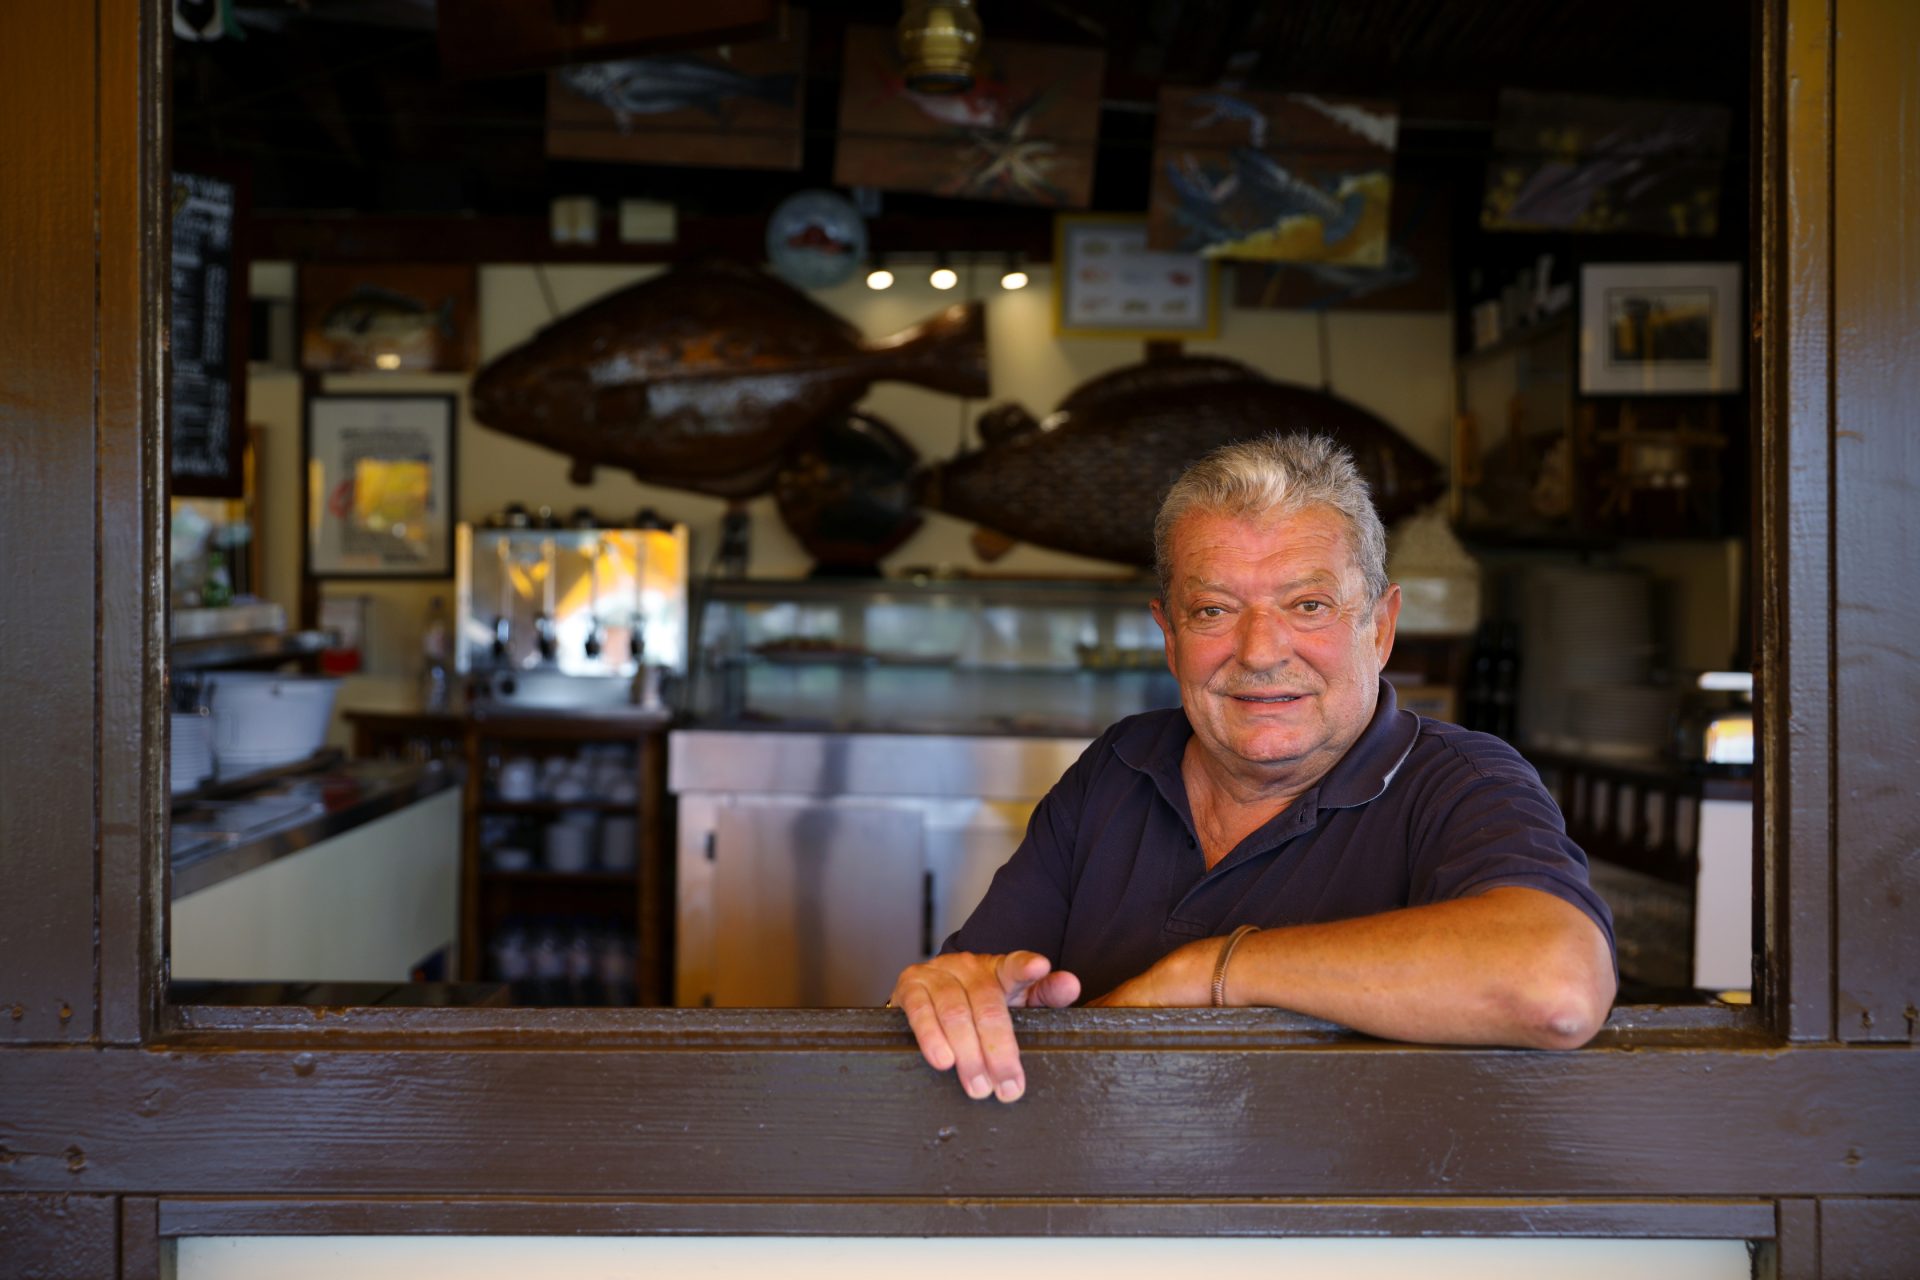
(816, 239)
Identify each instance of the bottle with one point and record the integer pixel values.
(435, 682)
(218, 589)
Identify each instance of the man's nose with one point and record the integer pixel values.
(1265, 640)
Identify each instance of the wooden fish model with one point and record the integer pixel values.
(847, 496)
(707, 376)
(1090, 478)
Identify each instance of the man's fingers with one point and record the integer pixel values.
(1055, 991)
(953, 1007)
(1018, 970)
(999, 1053)
(957, 1006)
(918, 1006)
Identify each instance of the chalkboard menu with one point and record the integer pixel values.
(207, 431)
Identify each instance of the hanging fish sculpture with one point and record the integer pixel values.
(847, 497)
(1090, 478)
(708, 376)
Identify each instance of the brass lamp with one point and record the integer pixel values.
(939, 40)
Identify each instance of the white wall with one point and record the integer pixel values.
(1397, 365)
(827, 1258)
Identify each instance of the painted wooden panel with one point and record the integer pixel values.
(48, 83)
(819, 1121)
(58, 1237)
(1876, 473)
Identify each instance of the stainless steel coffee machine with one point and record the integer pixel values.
(573, 616)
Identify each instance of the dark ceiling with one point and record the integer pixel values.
(341, 105)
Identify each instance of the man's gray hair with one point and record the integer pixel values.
(1277, 475)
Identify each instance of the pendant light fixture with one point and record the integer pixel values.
(939, 40)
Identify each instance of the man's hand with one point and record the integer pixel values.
(1182, 977)
(957, 1006)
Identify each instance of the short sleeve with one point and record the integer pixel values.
(1025, 908)
(1489, 822)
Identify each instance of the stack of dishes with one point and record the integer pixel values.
(266, 721)
(192, 750)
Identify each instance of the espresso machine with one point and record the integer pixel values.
(574, 615)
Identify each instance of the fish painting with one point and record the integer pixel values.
(1288, 177)
(709, 376)
(373, 315)
(395, 318)
(1090, 478)
(731, 107)
(655, 86)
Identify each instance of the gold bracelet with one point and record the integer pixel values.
(1220, 966)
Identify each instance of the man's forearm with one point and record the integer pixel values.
(1510, 966)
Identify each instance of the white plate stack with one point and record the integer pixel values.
(263, 721)
(192, 750)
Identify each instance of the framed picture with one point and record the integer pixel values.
(1108, 284)
(380, 486)
(1660, 328)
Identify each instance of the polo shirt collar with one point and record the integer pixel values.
(1153, 745)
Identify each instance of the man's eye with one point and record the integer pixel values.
(1313, 606)
(1209, 611)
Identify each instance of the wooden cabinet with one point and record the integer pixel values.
(565, 847)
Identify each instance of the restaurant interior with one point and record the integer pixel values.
(659, 494)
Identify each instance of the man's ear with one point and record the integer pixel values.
(1166, 630)
(1386, 614)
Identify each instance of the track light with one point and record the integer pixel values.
(1015, 276)
(879, 277)
(944, 278)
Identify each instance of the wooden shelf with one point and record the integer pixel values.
(556, 806)
(562, 877)
(643, 897)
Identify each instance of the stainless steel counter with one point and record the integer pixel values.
(215, 840)
(813, 866)
(869, 764)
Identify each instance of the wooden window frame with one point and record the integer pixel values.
(1791, 1124)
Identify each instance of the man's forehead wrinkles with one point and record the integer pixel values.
(1317, 578)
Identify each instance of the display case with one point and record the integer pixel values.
(928, 655)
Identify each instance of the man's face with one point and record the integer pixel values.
(1276, 647)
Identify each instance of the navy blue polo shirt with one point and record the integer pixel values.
(1110, 876)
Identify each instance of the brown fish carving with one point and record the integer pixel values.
(1090, 478)
(847, 495)
(705, 377)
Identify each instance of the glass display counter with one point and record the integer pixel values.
(927, 655)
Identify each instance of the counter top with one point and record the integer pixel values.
(217, 839)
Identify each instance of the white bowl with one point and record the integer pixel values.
(262, 720)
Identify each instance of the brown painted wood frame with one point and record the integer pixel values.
(125, 1122)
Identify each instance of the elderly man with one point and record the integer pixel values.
(1287, 837)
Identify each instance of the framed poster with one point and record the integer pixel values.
(1660, 328)
(380, 486)
(1108, 284)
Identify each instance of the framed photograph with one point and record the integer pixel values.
(1660, 328)
(380, 486)
(1108, 284)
